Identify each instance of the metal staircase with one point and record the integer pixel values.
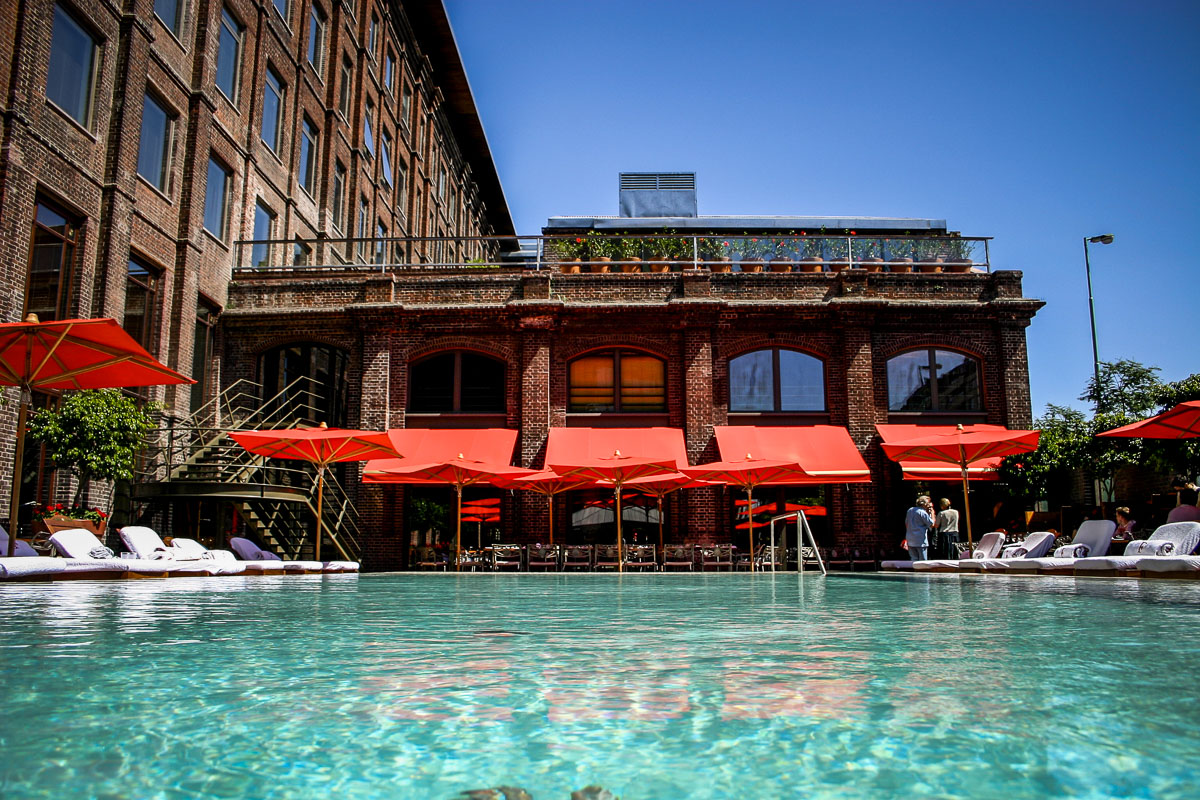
(275, 500)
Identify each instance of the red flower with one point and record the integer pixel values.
(577, 239)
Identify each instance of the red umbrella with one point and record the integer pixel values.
(548, 484)
(458, 472)
(747, 474)
(660, 486)
(1181, 422)
(70, 354)
(962, 447)
(321, 446)
(616, 471)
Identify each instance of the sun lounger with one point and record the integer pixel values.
(145, 543)
(506, 556)
(190, 549)
(988, 547)
(248, 551)
(30, 568)
(1035, 545)
(22, 549)
(1092, 539)
(86, 557)
(1175, 540)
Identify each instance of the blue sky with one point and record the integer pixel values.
(1034, 123)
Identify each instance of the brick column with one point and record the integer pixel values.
(1013, 371)
(535, 426)
(701, 517)
(385, 545)
(856, 511)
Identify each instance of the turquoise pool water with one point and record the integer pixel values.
(667, 686)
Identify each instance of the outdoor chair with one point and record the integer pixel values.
(1091, 540)
(763, 559)
(30, 568)
(679, 556)
(145, 543)
(506, 556)
(429, 558)
(607, 557)
(864, 561)
(191, 550)
(544, 557)
(577, 556)
(988, 547)
(1035, 545)
(22, 549)
(719, 556)
(839, 560)
(86, 557)
(248, 551)
(1175, 540)
(641, 557)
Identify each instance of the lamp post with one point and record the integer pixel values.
(1105, 238)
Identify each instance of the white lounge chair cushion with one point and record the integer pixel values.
(1174, 564)
(76, 565)
(29, 566)
(1183, 538)
(248, 551)
(1107, 563)
(934, 564)
(1027, 564)
(145, 543)
(75, 543)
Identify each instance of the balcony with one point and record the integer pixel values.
(612, 253)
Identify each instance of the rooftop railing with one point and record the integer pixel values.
(627, 253)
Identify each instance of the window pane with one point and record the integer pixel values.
(339, 195)
(171, 13)
(154, 147)
(201, 352)
(385, 157)
(405, 106)
(52, 258)
(229, 55)
(139, 304)
(591, 382)
(957, 382)
(431, 385)
(72, 67)
(260, 254)
(801, 382)
(272, 108)
(281, 7)
(751, 382)
(316, 38)
(482, 389)
(389, 68)
(643, 383)
(216, 195)
(308, 156)
(344, 95)
(380, 245)
(368, 137)
(908, 382)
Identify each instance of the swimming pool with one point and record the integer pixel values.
(652, 686)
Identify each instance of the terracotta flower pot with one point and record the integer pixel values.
(781, 264)
(660, 266)
(600, 264)
(753, 265)
(900, 265)
(721, 264)
(634, 265)
(569, 267)
(934, 266)
(838, 266)
(872, 264)
(812, 264)
(959, 265)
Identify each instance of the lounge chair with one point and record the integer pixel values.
(641, 557)
(607, 557)
(22, 549)
(1035, 545)
(577, 556)
(248, 551)
(1175, 540)
(506, 556)
(988, 547)
(26, 564)
(679, 556)
(717, 555)
(191, 549)
(427, 558)
(1092, 539)
(146, 544)
(85, 556)
(544, 557)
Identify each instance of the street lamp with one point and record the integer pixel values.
(1104, 238)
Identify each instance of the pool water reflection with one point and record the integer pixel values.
(653, 686)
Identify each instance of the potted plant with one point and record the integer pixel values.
(899, 254)
(811, 258)
(867, 254)
(569, 252)
(752, 250)
(960, 255)
(783, 254)
(599, 249)
(838, 248)
(56, 517)
(930, 255)
(629, 250)
(715, 250)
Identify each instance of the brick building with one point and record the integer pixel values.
(144, 139)
(270, 192)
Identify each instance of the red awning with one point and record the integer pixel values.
(824, 452)
(983, 470)
(435, 445)
(567, 445)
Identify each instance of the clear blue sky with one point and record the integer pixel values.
(1034, 123)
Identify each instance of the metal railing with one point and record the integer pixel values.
(615, 252)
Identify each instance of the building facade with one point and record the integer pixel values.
(148, 143)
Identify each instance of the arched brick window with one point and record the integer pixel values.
(776, 379)
(626, 381)
(456, 382)
(930, 379)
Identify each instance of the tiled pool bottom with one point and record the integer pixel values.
(652, 686)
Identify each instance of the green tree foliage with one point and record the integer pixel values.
(1046, 472)
(94, 434)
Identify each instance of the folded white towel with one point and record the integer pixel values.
(1072, 551)
(29, 566)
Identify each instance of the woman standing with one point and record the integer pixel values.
(947, 526)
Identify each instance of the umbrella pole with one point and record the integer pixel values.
(660, 524)
(620, 546)
(320, 488)
(14, 506)
(750, 523)
(458, 531)
(550, 516)
(967, 507)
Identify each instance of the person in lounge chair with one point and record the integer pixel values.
(1125, 525)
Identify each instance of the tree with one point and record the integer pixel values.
(95, 435)
(1062, 448)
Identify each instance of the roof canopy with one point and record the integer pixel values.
(569, 445)
(918, 470)
(824, 452)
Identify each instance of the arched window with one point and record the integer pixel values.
(314, 377)
(933, 380)
(776, 379)
(618, 380)
(456, 382)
